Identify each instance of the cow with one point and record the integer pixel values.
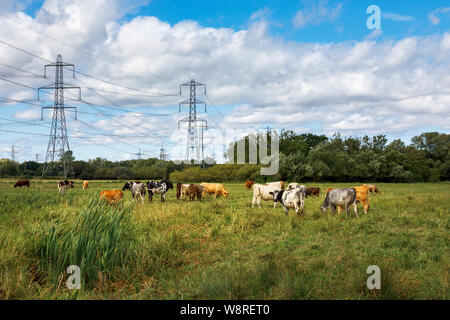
(161, 187)
(179, 190)
(199, 189)
(85, 184)
(137, 189)
(188, 190)
(340, 198)
(279, 184)
(312, 191)
(362, 195)
(22, 183)
(63, 185)
(263, 192)
(372, 188)
(215, 188)
(294, 198)
(111, 196)
(249, 184)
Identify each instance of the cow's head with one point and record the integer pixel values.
(127, 186)
(277, 194)
(169, 184)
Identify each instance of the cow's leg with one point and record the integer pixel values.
(355, 208)
(286, 210)
(366, 206)
(253, 201)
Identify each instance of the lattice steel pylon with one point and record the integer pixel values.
(196, 125)
(58, 143)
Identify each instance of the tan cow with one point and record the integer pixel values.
(85, 184)
(215, 188)
(188, 190)
(263, 192)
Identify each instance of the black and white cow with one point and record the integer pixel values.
(136, 188)
(63, 185)
(294, 198)
(161, 187)
(344, 197)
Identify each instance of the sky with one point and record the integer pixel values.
(309, 66)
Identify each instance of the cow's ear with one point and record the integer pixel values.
(271, 193)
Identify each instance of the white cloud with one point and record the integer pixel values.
(374, 34)
(315, 13)
(396, 17)
(354, 87)
(433, 16)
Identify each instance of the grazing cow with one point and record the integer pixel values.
(249, 183)
(199, 189)
(111, 196)
(137, 189)
(312, 191)
(22, 183)
(215, 188)
(179, 190)
(161, 187)
(188, 190)
(362, 195)
(63, 185)
(294, 198)
(263, 192)
(340, 198)
(372, 188)
(85, 184)
(279, 184)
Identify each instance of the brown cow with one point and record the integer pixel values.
(199, 191)
(179, 190)
(22, 183)
(249, 184)
(312, 191)
(188, 190)
(111, 196)
(85, 184)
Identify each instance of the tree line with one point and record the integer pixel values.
(302, 157)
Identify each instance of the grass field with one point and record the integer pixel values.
(221, 249)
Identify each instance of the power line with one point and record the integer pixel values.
(90, 76)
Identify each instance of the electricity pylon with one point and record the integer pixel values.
(58, 143)
(196, 125)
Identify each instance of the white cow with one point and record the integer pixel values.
(279, 184)
(263, 192)
(294, 198)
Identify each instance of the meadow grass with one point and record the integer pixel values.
(221, 248)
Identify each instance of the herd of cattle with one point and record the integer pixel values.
(291, 197)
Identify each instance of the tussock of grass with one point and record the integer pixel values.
(100, 241)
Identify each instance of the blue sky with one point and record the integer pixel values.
(311, 66)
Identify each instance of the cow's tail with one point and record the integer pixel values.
(353, 199)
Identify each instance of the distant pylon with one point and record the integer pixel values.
(13, 154)
(196, 125)
(162, 153)
(58, 143)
